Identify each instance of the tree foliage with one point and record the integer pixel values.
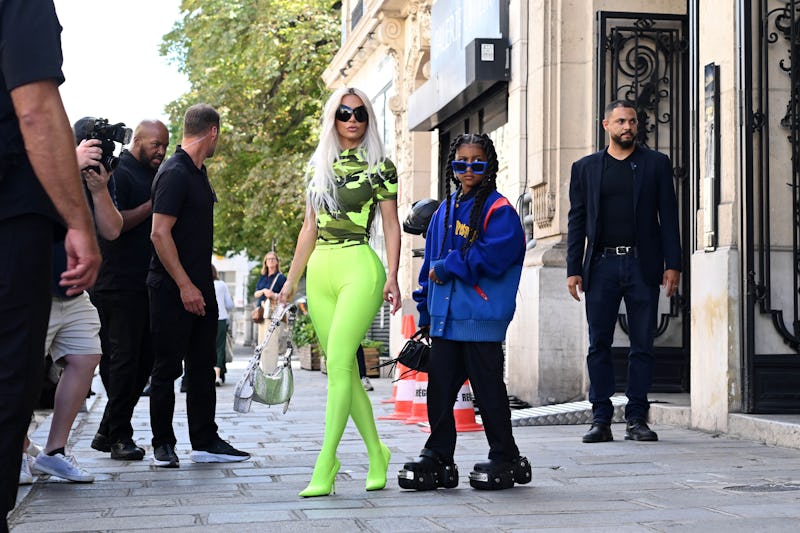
(259, 63)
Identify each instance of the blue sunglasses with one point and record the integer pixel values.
(460, 167)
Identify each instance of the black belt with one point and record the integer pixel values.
(619, 250)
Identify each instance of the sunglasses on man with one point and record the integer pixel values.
(344, 113)
(460, 167)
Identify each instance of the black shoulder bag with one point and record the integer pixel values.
(414, 355)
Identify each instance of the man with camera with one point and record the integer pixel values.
(73, 340)
(183, 303)
(40, 194)
(120, 293)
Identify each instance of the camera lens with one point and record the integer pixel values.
(110, 162)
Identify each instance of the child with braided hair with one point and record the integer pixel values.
(468, 283)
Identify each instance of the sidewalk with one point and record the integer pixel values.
(689, 481)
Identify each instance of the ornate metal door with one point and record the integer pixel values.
(643, 58)
(770, 66)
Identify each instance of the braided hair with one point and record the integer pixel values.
(486, 186)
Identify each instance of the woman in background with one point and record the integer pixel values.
(268, 287)
(224, 304)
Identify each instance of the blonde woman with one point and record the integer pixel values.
(346, 283)
(268, 287)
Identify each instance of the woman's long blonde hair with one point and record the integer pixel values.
(321, 192)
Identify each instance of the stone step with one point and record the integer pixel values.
(575, 413)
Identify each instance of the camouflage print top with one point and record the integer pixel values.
(359, 191)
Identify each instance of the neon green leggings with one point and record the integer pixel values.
(344, 290)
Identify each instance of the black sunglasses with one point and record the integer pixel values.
(344, 113)
(460, 167)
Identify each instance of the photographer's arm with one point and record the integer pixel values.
(106, 216)
(51, 150)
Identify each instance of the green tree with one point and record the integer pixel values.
(260, 64)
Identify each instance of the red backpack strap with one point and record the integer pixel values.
(500, 202)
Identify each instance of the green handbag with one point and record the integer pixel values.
(256, 385)
(277, 387)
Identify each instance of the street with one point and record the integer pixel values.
(689, 481)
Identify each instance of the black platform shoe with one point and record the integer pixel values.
(499, 475)
(428, 473)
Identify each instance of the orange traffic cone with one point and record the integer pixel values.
(464, 410)
(405, 395)
(399, 370)
(407, 329)
(419, 407)
(393, 397)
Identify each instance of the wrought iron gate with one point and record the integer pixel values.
(643, 58)
(770, 66)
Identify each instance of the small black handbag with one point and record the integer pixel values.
(414, 355)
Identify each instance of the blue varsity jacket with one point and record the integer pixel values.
(477, 297)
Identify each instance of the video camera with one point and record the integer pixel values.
(99, 128)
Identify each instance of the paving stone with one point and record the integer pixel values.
(105, 524)
(688, 481)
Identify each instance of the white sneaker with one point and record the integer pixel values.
(63, 466)
(25, 476)
(367, 385)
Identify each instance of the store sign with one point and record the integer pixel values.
(456, 23)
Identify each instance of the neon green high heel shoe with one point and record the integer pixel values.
(322, 487)
(376, 477)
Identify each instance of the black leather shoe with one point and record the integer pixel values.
(599, 432)
(638, 430)
(100, 443)
(127, 451)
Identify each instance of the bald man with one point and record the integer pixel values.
(120, 293)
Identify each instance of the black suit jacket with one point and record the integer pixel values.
(655, 211)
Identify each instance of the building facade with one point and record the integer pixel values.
(716, 85)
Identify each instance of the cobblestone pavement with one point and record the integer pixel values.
(689, 481)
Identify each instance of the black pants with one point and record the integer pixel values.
(25, 272)
(220, 345)
(451, 363)
(615, 278)
(182, 336)
(128, 350)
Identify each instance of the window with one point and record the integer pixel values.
(385, 123)
(356, 14)
(385, 119)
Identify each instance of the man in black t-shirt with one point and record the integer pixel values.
(40, 188)
(183, 304)
(120, 293)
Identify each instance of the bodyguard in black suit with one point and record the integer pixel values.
(622, 242)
